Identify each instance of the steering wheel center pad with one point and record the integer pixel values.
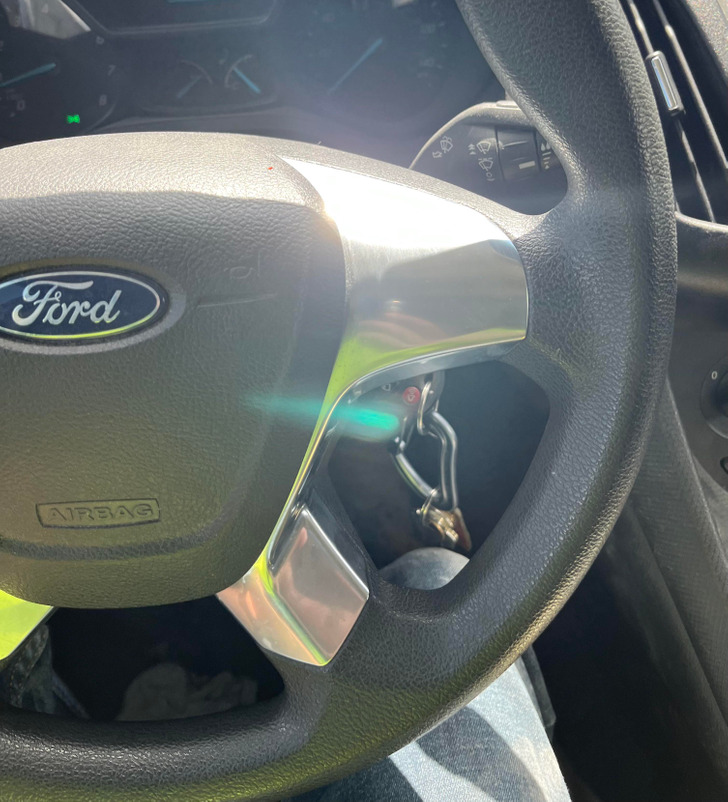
(149, 467)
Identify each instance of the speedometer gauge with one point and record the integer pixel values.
(46, 87)
(386, 58)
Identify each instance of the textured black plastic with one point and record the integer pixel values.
(709, 19)
(683, 514)
(701, 341)
(180, 413)
(537, 194)
(601, 269)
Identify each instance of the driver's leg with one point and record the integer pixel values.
(495, 748)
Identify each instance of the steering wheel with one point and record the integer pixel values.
(290, 271)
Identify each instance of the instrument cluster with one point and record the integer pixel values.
(69, 66)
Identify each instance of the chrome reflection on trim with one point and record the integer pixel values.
(427, 277)
(304, 600)
(432, 284)
(665, 82)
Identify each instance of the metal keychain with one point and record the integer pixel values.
(440, 507)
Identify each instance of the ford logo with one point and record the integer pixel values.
(66, 305)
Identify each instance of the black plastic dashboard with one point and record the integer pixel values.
(321, 70)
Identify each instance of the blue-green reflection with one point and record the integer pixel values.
(367, 421)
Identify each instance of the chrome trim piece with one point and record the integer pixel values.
(304, 600)
(663, 75)
(428, 279)
(432, 284)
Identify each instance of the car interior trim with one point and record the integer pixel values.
(405, 250)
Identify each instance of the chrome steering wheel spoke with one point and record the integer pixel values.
(305, 593)
(431, 284)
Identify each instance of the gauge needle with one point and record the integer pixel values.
(250, 84)
(191, 83)
(42, 70)
(370, 51)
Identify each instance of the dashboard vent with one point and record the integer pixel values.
(672, 45)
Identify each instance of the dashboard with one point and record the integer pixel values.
(348, 73)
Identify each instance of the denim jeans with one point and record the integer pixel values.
(495, 749)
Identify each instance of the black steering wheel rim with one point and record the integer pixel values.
(601, 273)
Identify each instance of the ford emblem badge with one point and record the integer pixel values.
(67, 305)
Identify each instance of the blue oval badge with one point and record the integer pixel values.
(66, 305)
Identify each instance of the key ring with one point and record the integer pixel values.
(440, 510)
(445, 495)
(426, 390)
(425, 508)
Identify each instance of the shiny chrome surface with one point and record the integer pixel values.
(428, 279)
(668, 89)
(432, 284)
(301, 600)
(445, 495)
